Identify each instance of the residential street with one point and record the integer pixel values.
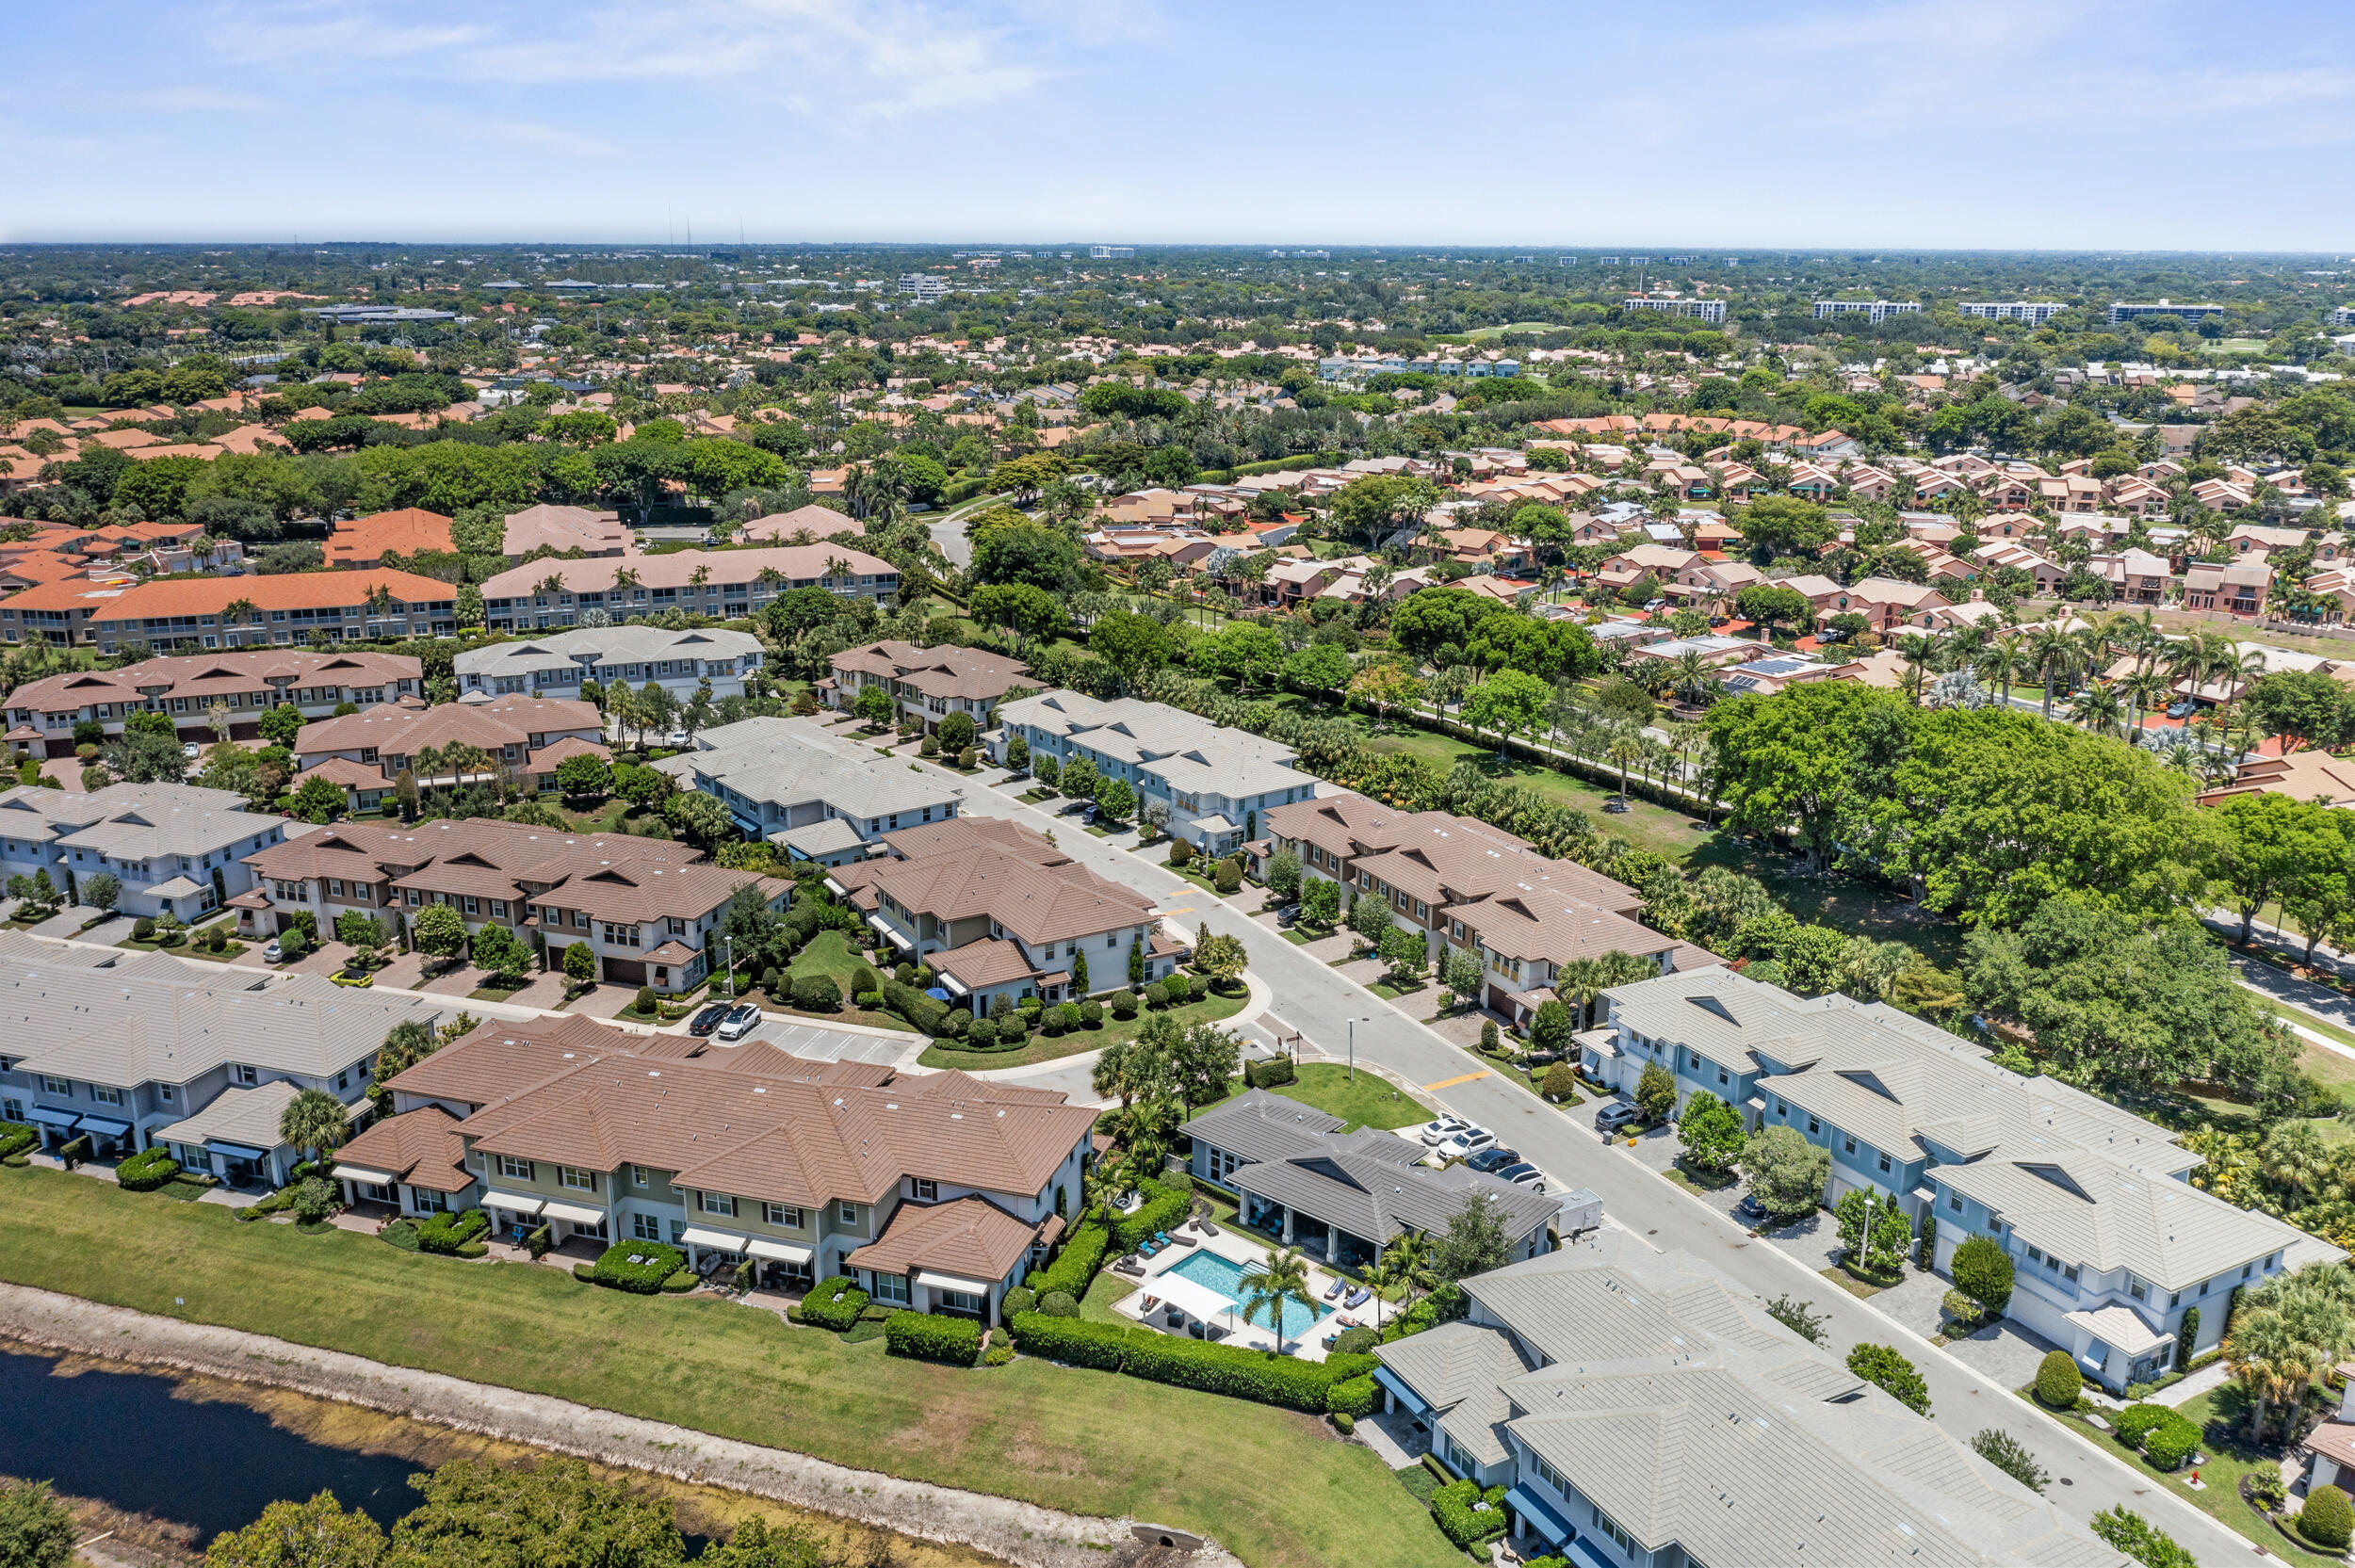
(1318, 1002)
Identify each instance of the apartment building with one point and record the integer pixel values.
(232, 612)
(2121, 310)
(935, 1191)
(1217, 784)
(1875, 311)
(814, 794)
(174, 848)
(136, 1049)
(1644, 1410)
(925, 684)
(2036, 312)
(364, 541)
(1476, 889)
(724, 584)
(523, 739)
(998, 910)
(2111, 1243)
(1706, 310)
(644, 907)
(43, 713)
(599, 535)
(560, 663)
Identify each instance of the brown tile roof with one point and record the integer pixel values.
(504, 1057)
(793, 563)
(973, 832)
(943, 671)
(970, 1237)
(393, 731)
(420, 1147)
(204, 676)
(983, 963)
(1037, 902)
(211, 595)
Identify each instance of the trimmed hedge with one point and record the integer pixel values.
(2171, 1441)
(1074, 1268)
(446, 1234)
(2136, 1422)
(1458, 1507)
(15, 1138)
(929, 1336)
(638, 1267)
(1261, 1376)
(680, 1282)
(1354, 1398)
(2327, 1520)
(1271, 1073)
(1166, 1207)
(926, 1014)
(1020, 1299)
(147, 1169)
(833, 1304)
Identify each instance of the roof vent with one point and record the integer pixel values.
(654, 1071)
(759, 1090)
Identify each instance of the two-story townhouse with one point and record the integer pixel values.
(137, 1049)
(813, 794)
(523, 739)
(937, 1190)
(196, 691)
(926, 685)
(998, 910)
(173, 848)
(2111, 1242)
(559, 664)
(191, 613)
(1574, 1371)
(725, 584)
(1217, 785)
(646, 908)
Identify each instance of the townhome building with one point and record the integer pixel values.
(1215, 783)
(407, 531)
(725, 584)
(996, 910)
(173, 849)
(1643, 1410)
(1662, 562)
(812, 794)
(194, 613)
(1345, 1196)
(138, 1049)
(196, 691)
(1892, 605)
(2240, 586)
(935, 1191)
(523, 739)
(2136, 576)
(563, 529)
(647, 908)
(559, 664)
(2112, 1245)
(925, 684)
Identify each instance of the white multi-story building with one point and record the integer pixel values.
(812, 794)
(1872, 310)
(2036, 312)
(173, 848)
(1707, 310)
(556, 664)
(723, 584)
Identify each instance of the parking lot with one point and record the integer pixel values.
(818, 1044)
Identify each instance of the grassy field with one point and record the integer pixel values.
(830, 953)
(1273, 1486)
(1670, 834)
(1041, 1048)
(1369, 1102)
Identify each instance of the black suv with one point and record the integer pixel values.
(709, 1019)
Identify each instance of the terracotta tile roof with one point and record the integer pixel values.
(393, 731)
(944, 671)
(804, 563)
(978, 964)
(211, 595)
(419, 1147)
(362, 543)
(201, 677)
(1038, 900)
(968, 1237)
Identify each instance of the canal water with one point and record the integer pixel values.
(177, 1459)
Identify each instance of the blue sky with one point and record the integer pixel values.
(1976, 124)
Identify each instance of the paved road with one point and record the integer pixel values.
(1315, 1000)
(948, 530)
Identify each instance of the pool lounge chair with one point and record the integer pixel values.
(1182, 1240)
(1357, 1297)
(1334, 1293)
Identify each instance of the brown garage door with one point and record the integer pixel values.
(625, 970)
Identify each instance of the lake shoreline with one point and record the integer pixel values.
(1015, 1532)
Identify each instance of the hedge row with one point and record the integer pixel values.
(147, 1169)
(15, 1138)
(2165, 1436)
(1271, 1073)
(1166, 1206)
(1458, 1507)
(1074, 1268)
(638, 1267)
(929, 1337)
(835, 1303)
(449, 1233)
(1261, 1376)
(927, 1015)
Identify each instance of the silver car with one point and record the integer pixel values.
(740, 1022)
(1617, 1114)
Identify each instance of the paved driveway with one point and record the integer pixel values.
(823, 1044)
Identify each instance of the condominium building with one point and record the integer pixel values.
(926, 685)
(2036, 312)
(1643, 1410)
(1707, 310)
(43, 713)
(724, 584)
(814, 794)
(2125, 311)
(173, 848)
(647, 908)
(1872, 310)
(1217, 785)
(2112, 1244)
(232, 612)
(557, 663)
(521, 740)
(935, 1191)
(565, 529)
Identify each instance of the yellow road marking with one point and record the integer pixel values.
(1181, 909)
(1451, 1083)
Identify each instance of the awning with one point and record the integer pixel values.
(954, 1282)
(574, 1214)
(107, 1124)
(55, 1117)
(512, 1203)
(784, 1252)
(1540, 1515)
(1196, 1300)
(695, 1235)
(361, 1173)
(1415, 1402)
(236, 1151)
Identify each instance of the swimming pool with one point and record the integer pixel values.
(1225, 1275)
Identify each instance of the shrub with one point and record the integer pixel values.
(914, 1005)
(1166, 1204)
(1229, 878)
(1050, 1022)
(1020, 1299)
(929, 1336)
(2136, 1422)
(1059, 1303)
(646, 1000)
(147, 1170)
(2171, 1441)
(2009, 1455)
(931, 748)
(1561, 1083)
(872, 1000)
(1345, 1423)
(446, 1233)
(1178, 989)
(1261, 1376)
(816, 993)
(998, 1355)
(2185, 1337)
(982, 1034)
(1071, 1341)
(679, 1283)
(1271, 1073)
(1124, 1004)
(2059, 1383)
(143, 930)
(1071, 1015)
(1074, 1268)
(1356, 1342)
(2328, 1519)
(1157, 995)
(1468, 1515)
(1353, 1398)
(1897, 1377)
(833, 1304)
(1180, 853)
(1983, 1272)
(1091, 1016)
(15, 1138)
(638, 1267)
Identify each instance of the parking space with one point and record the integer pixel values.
(823, 1045)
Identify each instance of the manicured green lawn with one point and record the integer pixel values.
(830, 954)
(1273, 1486)
(1096, 1305)
(1369, 1101)
(1043, 1048)
(1670, 834)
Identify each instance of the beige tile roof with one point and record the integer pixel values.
(1038, 901)
(393, 731)
(945, 672)
(201, 678)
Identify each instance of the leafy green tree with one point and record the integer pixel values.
(581, 964)
(2132, 1534)
(1320, 900)
(1783, 526)
(2272, 842)
(1115, 799)
(754, 1544)
(1711, 1131)
(1134, 645)
(1775, 606)
(1080, 779)
(281, 725)
(2011, 1456)
(315, 1534)
(1462, 974)
(956, 732)
(102, 890)
(36, 1530)
(1884, 1366)
(1655, 1093)
(1370, 918)
(1551, 1030)
(1283, 875)
(873, 705)
(499, 951)
(479, 1514)
(1242, 652)
(700, 818)
(439, 931)
(1507, 703)
(1474, 1242)
(1806, 762)
(584, 777)
(1032, 613)
(1982, 1271)
(315, 800)
(2304, 707)
(1367, 509)
(1786, 1174)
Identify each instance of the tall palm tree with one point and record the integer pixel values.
(2146, 689)
(1579, 982)
(2001, 661)
(2097, 707)
(1626, 746)
(2051, 653)
(1919, 652)
(1282, 1277)
(315, 1122)
(2267, 1358)
(1411, 1255)
(2235, 667)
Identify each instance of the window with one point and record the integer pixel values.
(2035, 1255)
(426, 1201)
(890, 1287)
(1813, 1126)
(719, 1203)
(1884, 1162)
(245, 1074)
(2069, 1273)
(782, 1216)
(849, 1213)
(104, 1095)
(2135, 1288)
(1954, 1202)
(517, 1170)
(580, 1181)
(1848, 1145)
(926, 1190)
(641, 1176)
(63, 1088)
(163, 1093)
(646, 1228)
(1609, 1526)
(958, 1300)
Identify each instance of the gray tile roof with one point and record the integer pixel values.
(1190, 755)
(605, 646)
(792, 764)
(1257, 1124)
(135, 821)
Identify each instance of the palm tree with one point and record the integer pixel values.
(2051, 653)
(1579, 982)
(1268, 1285)
(2235, 668)
(1627, 745)
(2267, 1359)
(2146, 689)
(2097, 707)
(1919, 652)
(1410, 1254)
(1384, 1276)
(315, 1122)
(2001, 662)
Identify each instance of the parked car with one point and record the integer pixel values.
(709, 1019)
(1750, 1210)
(1493, 1159)
(2179, 710)
(1468, 1142)
(1440, 1129)
(741, 1021)
(272, 952)
(351, 974)
(192, 750)
(1617, 1114)
(1522, 1173)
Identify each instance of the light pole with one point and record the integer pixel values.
(727, 956)
(1353, 1048)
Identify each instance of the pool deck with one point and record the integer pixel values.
(1243, 1249)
